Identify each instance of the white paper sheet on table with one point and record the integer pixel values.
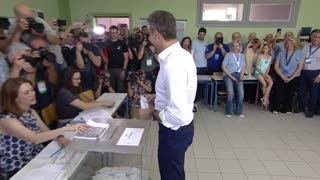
(131, 137)
(47, 172)
(101, 113)
(143, 102)
(50, 149)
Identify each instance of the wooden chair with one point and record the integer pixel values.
(221, 92)
(87, 96)
(49, 114)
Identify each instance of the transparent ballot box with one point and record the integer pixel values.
(123, 152)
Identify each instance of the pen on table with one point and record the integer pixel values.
(113, 133)
(59, 150)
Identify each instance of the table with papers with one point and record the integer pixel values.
(54, 155)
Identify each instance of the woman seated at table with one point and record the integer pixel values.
(68, 100)
(288, 66)
(233, 66)
(262, 73)
(22, 129)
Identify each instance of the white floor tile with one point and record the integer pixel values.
(253, 167)
(207, 165)
(230, 166)
(301, 169)
(277, 168)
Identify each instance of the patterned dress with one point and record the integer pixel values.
(138, 91)
(15, 153)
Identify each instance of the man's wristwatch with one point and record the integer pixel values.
(153, 115)
(60, 136)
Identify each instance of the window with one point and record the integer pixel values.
(266, 13)
(109, 21)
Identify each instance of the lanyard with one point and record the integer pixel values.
(237, 59)
(288, 61)
(313, 51)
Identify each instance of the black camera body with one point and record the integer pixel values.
(4, 23)
(44, 55)
(61, 22)
(133, 77)
(33, 24)
(219, 40)
(87, 46)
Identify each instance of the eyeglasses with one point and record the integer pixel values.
(76, 79)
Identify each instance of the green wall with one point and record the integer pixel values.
(76, 10)
(185, 10)
(51, 8)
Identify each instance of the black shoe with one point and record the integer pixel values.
(309, 114)
(299, 110)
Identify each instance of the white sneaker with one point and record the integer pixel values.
(289, 113)
(275, 112)
(228, 116)
(242, 115)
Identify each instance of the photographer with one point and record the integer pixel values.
(149, 61)
(87, 58)
(134, 42)
(20, 67)
(138, 86)
(25, 22)
(215, 54)
(104, 85)
(46, 74)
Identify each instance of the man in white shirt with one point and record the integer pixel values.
(175, 92)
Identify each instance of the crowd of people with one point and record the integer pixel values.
(42, 63)
(288, 71)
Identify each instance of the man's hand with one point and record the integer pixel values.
(79, 47)
(316, 79)
(215, 46)
(122, 75)
(220, 46)
(150, 98)
(22, 25)
(145, 114)
(47, 64)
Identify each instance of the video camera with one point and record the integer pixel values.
(33, 24)
(44, 55)
(4, 23)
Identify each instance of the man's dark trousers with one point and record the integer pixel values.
(171, 151)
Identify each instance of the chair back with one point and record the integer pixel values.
(87, 96)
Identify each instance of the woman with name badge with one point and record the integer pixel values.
(233, 66)
(288, 66)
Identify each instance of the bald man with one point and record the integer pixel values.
(19, 25)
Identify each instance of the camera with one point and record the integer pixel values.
(33, 24)
(219, 40)
(133, 76)
(44, 55)
(101, 42)
(87, 46)
(61, 22)
(47, 55)
(4, 23)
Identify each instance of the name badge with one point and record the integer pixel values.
(216, 57)
(119, 47)
(286, 69)
(308, 60)
(149, 62)
(42, 87)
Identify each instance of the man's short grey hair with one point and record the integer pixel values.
(13, 48)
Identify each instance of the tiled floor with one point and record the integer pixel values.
(262, 146)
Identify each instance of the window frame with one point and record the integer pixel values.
(246, 13)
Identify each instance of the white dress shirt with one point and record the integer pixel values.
(176, 87)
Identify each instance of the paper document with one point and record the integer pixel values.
(101, 113)
(50, 149)
(144, 103)
(47, 172)
(131, 137)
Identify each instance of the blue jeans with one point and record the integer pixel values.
(238, 87)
